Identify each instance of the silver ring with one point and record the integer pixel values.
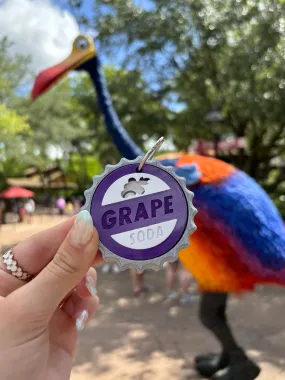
(13, 267)
(151, 153)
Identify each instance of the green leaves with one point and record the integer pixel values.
(13, 72)
(141, 111)
(187, 58)
(82, 167)
(11, 123)
(13, 128)
(216, 54)
(65, 125)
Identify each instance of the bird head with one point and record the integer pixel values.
(82, 51)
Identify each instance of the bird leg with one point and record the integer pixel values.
(232, 363)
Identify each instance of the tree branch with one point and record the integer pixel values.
(278, 180)
(275, 137)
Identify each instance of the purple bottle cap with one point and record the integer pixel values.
(143, 218)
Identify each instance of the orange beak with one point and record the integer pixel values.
(47, 78)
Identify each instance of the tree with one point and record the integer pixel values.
(210, 54)
(34, 133)
(141, 111)
(11, 123)
(82, 168)
(12, 129)
(13, 72)
(55, 122)
(65, 124)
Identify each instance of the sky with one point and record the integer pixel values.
(44, 29)
(39, 28)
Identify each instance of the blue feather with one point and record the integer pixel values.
(249, 215)
(189, 172)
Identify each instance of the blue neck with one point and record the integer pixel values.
(121, 138)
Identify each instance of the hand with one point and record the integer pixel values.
(39, 320)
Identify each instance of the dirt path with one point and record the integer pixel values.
(148, 339)
(11, 234)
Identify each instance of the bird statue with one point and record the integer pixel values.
(240, 235)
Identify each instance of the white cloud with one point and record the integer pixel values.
(38, 28)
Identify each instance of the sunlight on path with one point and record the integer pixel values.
(148, 339)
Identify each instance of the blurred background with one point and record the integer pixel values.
(209, 75)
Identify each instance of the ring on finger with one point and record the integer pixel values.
(13, 267)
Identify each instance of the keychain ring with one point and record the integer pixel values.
(150, 153)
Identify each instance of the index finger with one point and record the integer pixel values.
(33, 254)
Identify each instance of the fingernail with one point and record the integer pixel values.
(81, 320)
(90, 285)
(82, 228)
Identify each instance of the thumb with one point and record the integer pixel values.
(71, 262)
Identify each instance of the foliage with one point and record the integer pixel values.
(67, 128)
(52, 120)
(184, 59)
(34, 133)
(140, 111)
(82, 168)
(209, 54)
(55, 121)
(13, 72)
(11, 123)
(12, 128)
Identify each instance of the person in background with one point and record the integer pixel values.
(19, 209)
(76, 206)
(30, 209)
(69, 208)
(106, 268)
(138, 284)
(60, 204)
(15, 208)
(172, 271)
(51, 205)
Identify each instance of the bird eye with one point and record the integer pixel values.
(82, 43)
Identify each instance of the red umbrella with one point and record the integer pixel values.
(16, 192)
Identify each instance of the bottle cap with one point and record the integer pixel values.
(142, 212)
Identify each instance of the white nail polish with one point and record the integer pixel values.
(82, 229)
(90, 285)
(81, 320)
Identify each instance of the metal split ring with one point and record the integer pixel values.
(151, 153)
